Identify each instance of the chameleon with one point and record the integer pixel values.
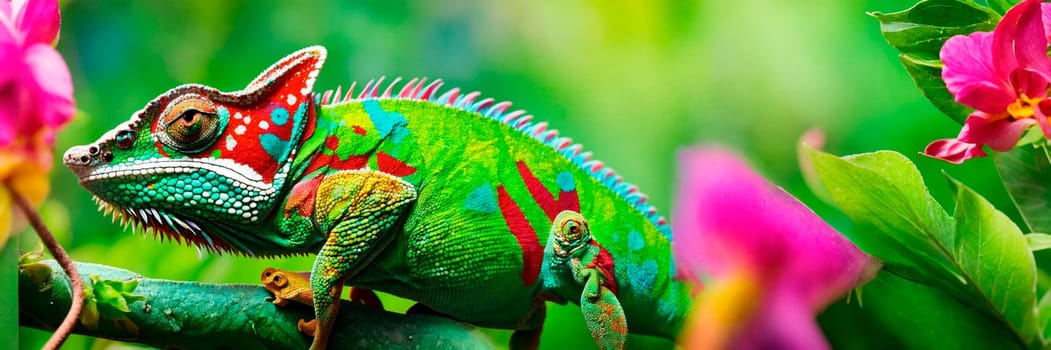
(437, 196)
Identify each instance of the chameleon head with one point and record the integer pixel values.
(199, 164)
(570, 232)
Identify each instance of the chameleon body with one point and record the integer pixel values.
(446, 199)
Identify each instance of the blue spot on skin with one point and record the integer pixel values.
(387, 123)
(669, 304)
(565, 181)
(636, 241)
(641, 277)
(482, 199)
(274, 146)
(279, 116)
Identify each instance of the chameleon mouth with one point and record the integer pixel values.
(225, 168)
(164, 226)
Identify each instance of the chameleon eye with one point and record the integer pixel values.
(572, 231)
(189, 124)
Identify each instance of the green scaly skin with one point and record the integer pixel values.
(444, 200)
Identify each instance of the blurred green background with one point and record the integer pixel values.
(631, 80)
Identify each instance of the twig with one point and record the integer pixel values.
(66, 327)
(191, 315)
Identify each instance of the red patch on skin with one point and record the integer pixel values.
(393, 166)
(331, 161)
(302, 197)
(544, 198)
(328, 158)
(359, 130)
(532, 252)
(332, 143)
(604, 262)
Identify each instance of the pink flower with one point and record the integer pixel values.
(769, 263)
(36, 98)
(1004, 76)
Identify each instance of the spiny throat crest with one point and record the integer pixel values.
(163, 226)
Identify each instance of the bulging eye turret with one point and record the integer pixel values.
(189, 124)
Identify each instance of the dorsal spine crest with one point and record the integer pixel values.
(418, 89)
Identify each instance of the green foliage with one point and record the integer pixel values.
(919, 32)
(1038, 241)
(918, 316)
(9, 294)
(1024, 171)
(978, 256)
(29, 265)
(1001, 6)
(108, 299)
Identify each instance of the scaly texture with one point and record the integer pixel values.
(440, 198)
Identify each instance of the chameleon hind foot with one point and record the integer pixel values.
(307, 327)
(575, 251)
(366, 297)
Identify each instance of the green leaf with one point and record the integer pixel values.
(919, 33)
(1038, 241)
(1024, 171)
(894, 201)
(979, 257)
(921, 30)
(923, 317)
(9, 292)
(1044, 310)
(995, 257)
(1001, 6)
(927, 75)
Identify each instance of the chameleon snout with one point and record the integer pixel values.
(81, 159)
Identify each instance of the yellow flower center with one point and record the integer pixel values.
(1023, 107)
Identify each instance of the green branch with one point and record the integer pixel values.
(174, 314)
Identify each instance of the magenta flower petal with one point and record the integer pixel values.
(729, 219)
(38, 20)
(6, 20)
(1019, 41)
(969, 74)
(1045, 10)
(51, 75)
(1001, 135)
(36, 99)
(953, 150)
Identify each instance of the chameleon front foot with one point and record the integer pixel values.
(295, 286)
(287, 285)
